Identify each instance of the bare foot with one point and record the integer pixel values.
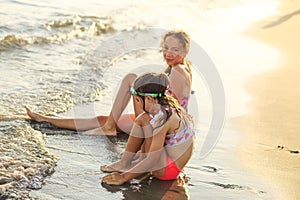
(114, 179)
(101, 131)
(108, 169)
(34, 116)
(118, 166)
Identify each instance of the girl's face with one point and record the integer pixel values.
(139, 103)
(173, 51)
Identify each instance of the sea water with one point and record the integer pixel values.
(66, 58)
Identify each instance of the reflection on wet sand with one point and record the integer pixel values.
(154, 188)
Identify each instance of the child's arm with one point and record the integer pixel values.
(152, 157)
(149, 163)
(158, 117)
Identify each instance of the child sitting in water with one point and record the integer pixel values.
(175, 46)
(162, 132)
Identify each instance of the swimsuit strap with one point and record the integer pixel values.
(184, 101)
(140, 115)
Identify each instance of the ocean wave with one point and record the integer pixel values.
(25, 162)
(62, 30)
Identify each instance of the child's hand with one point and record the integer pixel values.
(155, 109)
(157, 115)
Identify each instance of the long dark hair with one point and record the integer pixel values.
(155, 83)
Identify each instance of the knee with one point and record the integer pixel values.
(129, 78)
(101, 119)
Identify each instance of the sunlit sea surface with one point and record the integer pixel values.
(66, 58)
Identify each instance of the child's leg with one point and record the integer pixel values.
(133, 145)
(121, 101)
(125, 122)
(159, 167)
(108, 122)
(68, 123)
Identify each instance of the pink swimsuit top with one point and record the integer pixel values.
(176, 138)
(179, 137)
(183, 101)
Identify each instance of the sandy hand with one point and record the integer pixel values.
(114, 179)
(155, 109)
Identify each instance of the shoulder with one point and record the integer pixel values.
(143, 119)
(181, 69)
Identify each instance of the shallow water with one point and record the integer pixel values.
(67, 58)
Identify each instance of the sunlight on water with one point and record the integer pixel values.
(50, 61)
(223, 38)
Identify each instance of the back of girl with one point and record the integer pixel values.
(175, 47)
(162, 132)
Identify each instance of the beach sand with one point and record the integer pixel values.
(272, 141)
(270, 146)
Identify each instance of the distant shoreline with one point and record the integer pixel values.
(271, 148)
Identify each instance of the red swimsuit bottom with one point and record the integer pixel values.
(172, 171)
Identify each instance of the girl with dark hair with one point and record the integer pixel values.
(162, 134)
(175, 46)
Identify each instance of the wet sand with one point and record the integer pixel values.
(272, 139)
(268, 129)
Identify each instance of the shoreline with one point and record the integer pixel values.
(77, 174)
(271, 148)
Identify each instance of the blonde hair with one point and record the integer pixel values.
(183, 37)
(185, 40)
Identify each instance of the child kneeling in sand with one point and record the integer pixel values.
(162, 133)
